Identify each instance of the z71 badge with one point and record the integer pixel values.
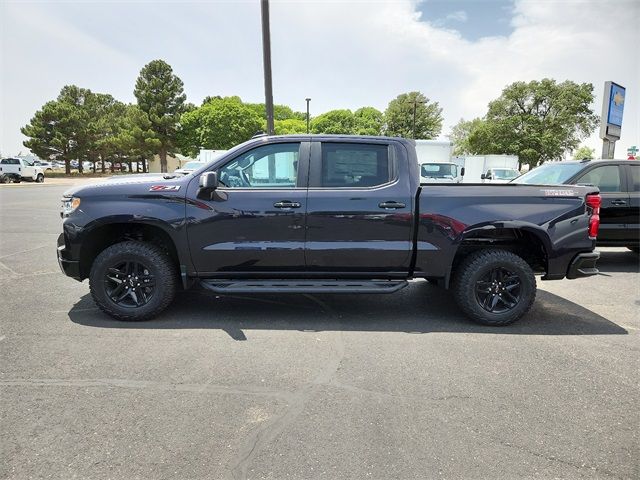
(164, 188)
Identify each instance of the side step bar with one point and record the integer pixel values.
(304, 286)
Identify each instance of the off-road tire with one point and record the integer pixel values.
(160, 266)
(474, 267)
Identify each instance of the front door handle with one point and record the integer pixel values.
(286, 204)
(618, 202)
(392, 204)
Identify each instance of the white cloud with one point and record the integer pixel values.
(457, 16)
(341, 54)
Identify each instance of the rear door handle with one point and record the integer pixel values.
(286, 204)
(618, 202)
(392, 204)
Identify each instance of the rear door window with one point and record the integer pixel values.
(634, 178)
(354, 165)
(606, 178)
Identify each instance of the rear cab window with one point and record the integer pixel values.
(352, 165)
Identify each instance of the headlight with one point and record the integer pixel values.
(69, 205)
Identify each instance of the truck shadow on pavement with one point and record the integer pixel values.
(619, 262)
(419, 308)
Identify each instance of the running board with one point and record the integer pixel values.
(304, 286)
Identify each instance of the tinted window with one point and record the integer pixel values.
(270, 166)
(553, 173)
(439, 170)
(4, 161)
(354, 165)
(606, 178)
(634, 178)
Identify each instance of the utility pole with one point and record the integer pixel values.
(308, 100)
(415, 107)
(266, 60)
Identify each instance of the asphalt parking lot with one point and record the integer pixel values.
(309, 386)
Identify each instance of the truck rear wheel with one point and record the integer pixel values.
(132, 281)
(494, 287)
(40, 178)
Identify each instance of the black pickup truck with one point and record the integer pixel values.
(323, 214)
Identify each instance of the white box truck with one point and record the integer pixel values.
(434, 157)
(488, 168)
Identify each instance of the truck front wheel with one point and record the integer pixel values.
(494, 287)
(132, 281)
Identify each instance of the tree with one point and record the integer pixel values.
(584, 153)
(459, 135)
(290, 126)
(369, 121)
(280, 112)
(61, 130)
(105, 124)
(161, 97)
(136, 139)
(412, 115)
(219, 124)
(334, 122)
(538, 121)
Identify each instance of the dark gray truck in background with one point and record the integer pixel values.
(323, 214)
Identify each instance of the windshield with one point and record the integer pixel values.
(192, 165)
(439, 170)
(504, 173)
(554, 173)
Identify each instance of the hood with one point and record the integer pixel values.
(131, 185)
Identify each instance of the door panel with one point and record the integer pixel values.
(254, 221)
(632, 219)
(360, 209)
(615, 201)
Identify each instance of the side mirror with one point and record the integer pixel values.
(483, 176)
(209, 180)
(462, 172)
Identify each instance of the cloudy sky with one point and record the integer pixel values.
(342, 54)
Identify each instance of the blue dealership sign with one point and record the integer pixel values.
(616, 105)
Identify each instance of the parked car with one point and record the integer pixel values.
(500, 175)
(46, 166)
(189, 167)
(25, 168)
(619, 184)
(323, 214)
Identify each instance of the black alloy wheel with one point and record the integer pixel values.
(498, 291)
(129, 284)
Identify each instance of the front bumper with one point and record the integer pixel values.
(70, 268)
(583, 265)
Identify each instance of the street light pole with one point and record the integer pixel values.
(308, 100)
(266, 60)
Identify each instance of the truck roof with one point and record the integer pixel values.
(324, 137)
